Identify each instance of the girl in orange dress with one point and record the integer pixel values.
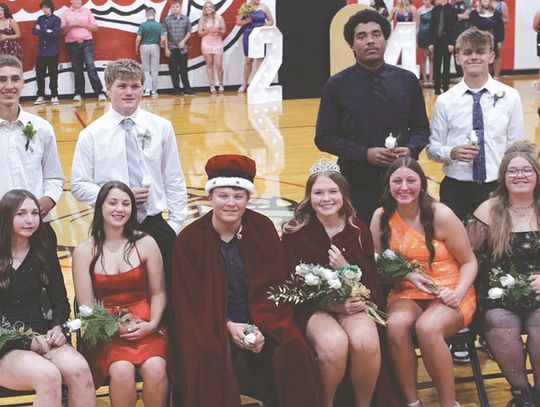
(122, 268)
(411, 222)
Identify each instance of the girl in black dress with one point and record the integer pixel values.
(27, 265)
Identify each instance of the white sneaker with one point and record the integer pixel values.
(101, 97)
(154, 94)
(77, 98)
(54, 100)
(40, 100)
(241, 89)
(146, 93)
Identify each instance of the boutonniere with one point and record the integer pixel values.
(29, 132)
(499, 95)
(144, 136)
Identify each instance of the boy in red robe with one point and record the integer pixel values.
(230, 337)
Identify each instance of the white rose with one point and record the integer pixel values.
(301, 270)
(328, 274)
(473, 138)
(85, 310)
(353, 275)
(311, 279)
(508, 281)
(495, 293)
(334, 284)
(74, 324)
(389, 255)
(390, 142)
(250, 339)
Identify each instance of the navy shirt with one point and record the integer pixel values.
(48, 30)
(359, 108)
(237, 309)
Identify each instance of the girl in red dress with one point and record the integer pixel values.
(122, 267)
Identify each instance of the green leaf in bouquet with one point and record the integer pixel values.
(111, 327)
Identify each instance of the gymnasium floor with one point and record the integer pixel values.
(280, 139)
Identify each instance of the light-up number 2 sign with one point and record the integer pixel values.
(259, 90)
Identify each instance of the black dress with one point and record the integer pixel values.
(524, 257)
(22, 300)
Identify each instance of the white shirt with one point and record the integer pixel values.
(100, 156)
(451, 126)
(36, 168)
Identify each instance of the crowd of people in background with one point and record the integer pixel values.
(225, 337)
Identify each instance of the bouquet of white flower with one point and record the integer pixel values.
(396, 265)
(315, 282)
(98, 325)
(512, 289)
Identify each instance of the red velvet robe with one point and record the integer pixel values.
(200, 292)
(310, 245)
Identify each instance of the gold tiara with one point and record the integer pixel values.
(324, 165)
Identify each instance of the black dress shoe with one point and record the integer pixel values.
(190, 92)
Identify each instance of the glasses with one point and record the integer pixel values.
(524, 172)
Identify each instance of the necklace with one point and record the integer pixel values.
(521, 208)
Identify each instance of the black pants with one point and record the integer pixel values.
(255, 372)
(366, 191)
(441, 56)
(44, 64)
(464, 197)
(178, 66)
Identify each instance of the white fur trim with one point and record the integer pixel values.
(230, 182)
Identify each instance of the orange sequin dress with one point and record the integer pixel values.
(444, 270)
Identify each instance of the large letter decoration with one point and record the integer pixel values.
(403, 41)
(259, 90)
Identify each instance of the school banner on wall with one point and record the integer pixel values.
(118, 22)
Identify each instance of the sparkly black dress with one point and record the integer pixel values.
(524, 257)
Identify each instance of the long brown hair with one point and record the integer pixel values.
(304, 211)
(425, 202)
(39, 242)
(131, 229)
(499, 236)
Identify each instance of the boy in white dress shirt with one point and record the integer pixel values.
(28, 154)
(137, 147)
(473, 124)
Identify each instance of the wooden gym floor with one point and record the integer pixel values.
(279, 137)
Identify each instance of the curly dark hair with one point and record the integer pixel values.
(47, 3)
(425, 202)
(131, 230)
(364, 17)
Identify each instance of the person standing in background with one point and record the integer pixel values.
(149, 37)
(380, 6)
(78, 24)
(502, 8)
(258, 16)
(463, 9)
(47, 28)
(10, 34)
(422, 38)
(211, 30)
(442, 28)
(177, 30)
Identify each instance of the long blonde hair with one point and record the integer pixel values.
(206, 16)
(499, 234)
(304, 211)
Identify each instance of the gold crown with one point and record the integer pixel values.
(324, 165)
